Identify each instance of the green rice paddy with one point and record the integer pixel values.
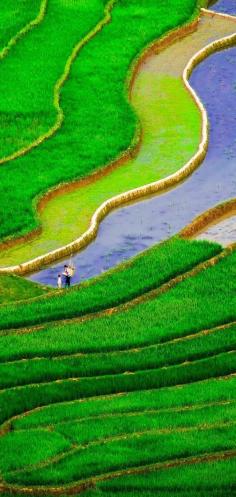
(102, 399)
(13, 288)
(125, 384)
(14, 17)
(26, 95)
(173, 257)
(76, 150)
(168, 108)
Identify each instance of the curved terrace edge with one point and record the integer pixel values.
(151, 188)
(60, 83)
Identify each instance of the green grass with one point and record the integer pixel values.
(122, 329)
(141, 386)
(145, 272)
(14, 16)
(15, 401)
(105, 412)
(13, 288)
(91, 430)
(76, 150)
(208, 479)
(167, 319)
(166, 400)
(38, 448)
(192, 414)
(26, 95)
(167, 145)
(192, 348)
(114, 455)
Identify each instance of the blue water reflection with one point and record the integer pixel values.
(129, 230)
(225, 6)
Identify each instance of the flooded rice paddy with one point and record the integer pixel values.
(131, 229)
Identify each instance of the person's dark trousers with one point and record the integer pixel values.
(67, 284)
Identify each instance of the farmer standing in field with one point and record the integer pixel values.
(67, 276)
(68, 273)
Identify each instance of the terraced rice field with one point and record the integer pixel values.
(126, 384)
(75, 150)
(129, 230)
(141, 387)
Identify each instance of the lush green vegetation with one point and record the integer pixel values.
(83, 431)
(200, 345)
(138, 400)
(203, 479)
(110, 411)
(145, 272)
(25, 115)
(112, 455)
(47, 446)
(103, 64)
(173, 414)
(28, 397)
(118, 331)
(195, 396)
(109, 430)
(172, 152)
(13, 288)
(15, 16)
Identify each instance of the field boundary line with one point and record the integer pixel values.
(76, 448)
(131, 151)
(23, 31)
(181, 364)
(6, 425)
(79, 379)
(185, 408)
(213, 13)
(131, 350)
(150, 295)
(208, 218)
(59, 85)
(79, 487)
(155, 187)
(59, 293)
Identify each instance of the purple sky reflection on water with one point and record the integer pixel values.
(129, 230)
(225, 6)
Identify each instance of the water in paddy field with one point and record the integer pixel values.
(224, 232)
(225, 6)
(129, 230)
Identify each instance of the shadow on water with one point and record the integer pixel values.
(131, 229)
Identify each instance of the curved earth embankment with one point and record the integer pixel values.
(223, 232)
(130, 230)
(60, 216)
(30, 110)
(76, 151)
